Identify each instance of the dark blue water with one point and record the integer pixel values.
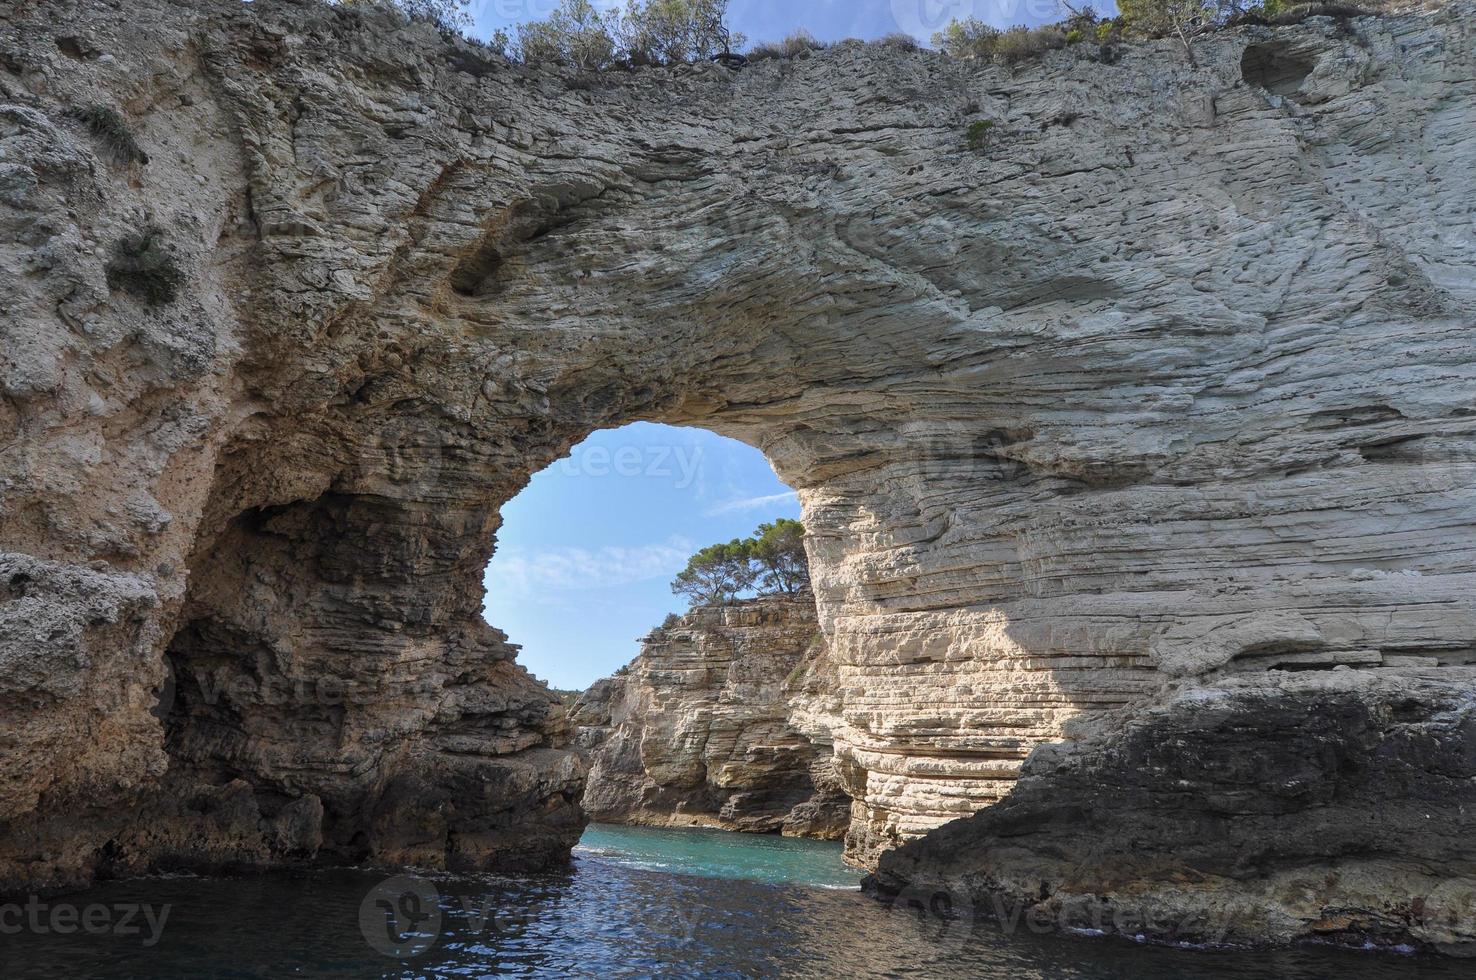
(638, 903)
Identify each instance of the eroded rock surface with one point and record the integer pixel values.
(1266, 807)
(699, 731)
(1170, 382)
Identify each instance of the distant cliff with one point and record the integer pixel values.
(712, 726)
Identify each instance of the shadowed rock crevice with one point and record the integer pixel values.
(1276, 66)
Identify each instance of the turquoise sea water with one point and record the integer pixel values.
(636, 903)
(764, 858)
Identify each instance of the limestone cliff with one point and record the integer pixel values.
(1167, 387)
(698, 732)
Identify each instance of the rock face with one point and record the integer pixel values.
(1269, 807)
(699, 732)
(1166, 388)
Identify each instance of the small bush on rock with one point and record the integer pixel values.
(1188, 20)
(646, 32)
(1020, 44)
(898, 40)
(112, 131)
(673, 32)
(799, 43)
(968, 38)
(981, 134)
(1184, 20)
(972, 38)
(143, 266)
(1276, 13)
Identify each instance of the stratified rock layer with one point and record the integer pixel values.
(1168, 383)
(698, 732)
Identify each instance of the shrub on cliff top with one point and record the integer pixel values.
(1183, 20)
(801, 42)
(967, 38)
(779, 550)
(574, 34)
(771, 562)
(717, 575)
(898, 40)
(1023, 43)
(1188, 20)
(671, 32)
(972, 38)
(645, 32)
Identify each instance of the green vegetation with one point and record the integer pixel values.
(581, 34)
(973, 38)
(981, 134)
(898, 40)
(143, 266)
(671, 32)
(771, 562)
(801, 42)
(1185, 20)
(779, 550)
(108, 125)
(645, 32)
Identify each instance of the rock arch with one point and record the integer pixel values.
(1151, 397)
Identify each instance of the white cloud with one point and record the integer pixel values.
(525, 573)
(750, 503)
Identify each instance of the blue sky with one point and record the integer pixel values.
(828, 20)
(588, 550)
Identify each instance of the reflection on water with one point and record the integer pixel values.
(608, 917)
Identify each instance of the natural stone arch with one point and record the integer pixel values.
(1125, 407)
